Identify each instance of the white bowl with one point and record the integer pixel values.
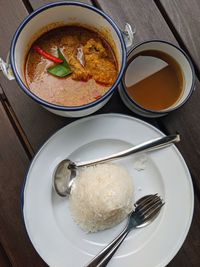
(186, 67)
(66, 13)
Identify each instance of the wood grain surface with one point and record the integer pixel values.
(13, 166)
(185, 18)
(37, 3)
(143, 14)
(188, 255)
(4, 260)
(152, 22)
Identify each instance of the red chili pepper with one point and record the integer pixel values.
(97, 97)
(47, 55)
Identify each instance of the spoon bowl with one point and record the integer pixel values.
(64, 176)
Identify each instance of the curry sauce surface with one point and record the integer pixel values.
(87, 83)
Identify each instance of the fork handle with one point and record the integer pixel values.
(104, 261)
(103, 257)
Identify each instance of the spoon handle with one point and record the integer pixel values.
(106, 254)
(144, 147)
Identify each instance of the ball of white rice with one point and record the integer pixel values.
(101, 197)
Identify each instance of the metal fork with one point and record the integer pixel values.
(146, 210)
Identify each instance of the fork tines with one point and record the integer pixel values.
(148, 206)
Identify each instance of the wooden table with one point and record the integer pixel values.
(24, 125)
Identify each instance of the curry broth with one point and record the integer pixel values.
(87, 82)
(155, 80)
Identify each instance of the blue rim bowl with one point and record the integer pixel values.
(54, 106)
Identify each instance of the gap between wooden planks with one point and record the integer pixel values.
(16, 125)
(4, 260)
(183, 18)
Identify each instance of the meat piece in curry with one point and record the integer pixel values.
(86, 82)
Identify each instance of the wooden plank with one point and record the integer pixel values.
(144, 14)
(188, 255)
(4, 261)
(37, 3)
(186, 122)
(13, 166)
(184, 16)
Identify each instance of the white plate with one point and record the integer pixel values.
(60, 242)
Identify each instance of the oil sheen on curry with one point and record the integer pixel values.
(70, 66)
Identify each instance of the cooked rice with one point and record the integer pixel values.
(101, 197)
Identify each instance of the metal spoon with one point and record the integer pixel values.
(146, 210)
(66, 170)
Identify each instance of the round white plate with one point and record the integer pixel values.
(60, 242)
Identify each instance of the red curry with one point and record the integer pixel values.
(93, 66)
